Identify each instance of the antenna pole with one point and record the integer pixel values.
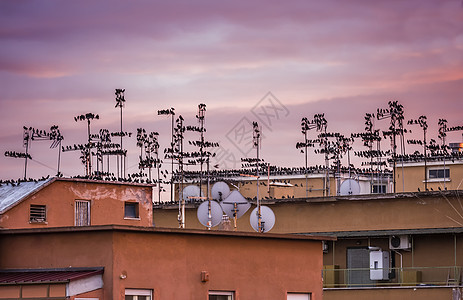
(235, 214)
(172, 162)
(306, 165)
(159, 177)
(209, 205)
(89, 154)
(256, 140)
(59, 156)
(26, 145)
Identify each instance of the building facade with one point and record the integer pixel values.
(58, 202)
(127, 262)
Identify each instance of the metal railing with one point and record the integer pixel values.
(333, 277)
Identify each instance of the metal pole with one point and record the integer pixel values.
(306, 165)
(89, 154)
(25, 161)
(172, 163)
(59, 155)
(425, 160)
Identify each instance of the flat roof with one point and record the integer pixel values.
(173, 231)
(332, 199)
(388, 232)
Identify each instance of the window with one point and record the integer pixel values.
(440, 173)
(221, 295)
(298, 296)
(37, 213)
(82, 213)
(131, 210)
(136, 294)
(379, 189)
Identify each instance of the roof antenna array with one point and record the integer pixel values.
(307, 125)
(149, 152)
(369, 137)
(120, 102)
(201, 157)
(422, 121)
(86, 149)
(395, 113)
(178, 155)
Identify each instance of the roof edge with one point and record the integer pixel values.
(159, 230)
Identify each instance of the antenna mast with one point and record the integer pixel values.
(120, 101)
(256, 137)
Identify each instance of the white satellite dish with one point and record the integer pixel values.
(220, 190)
(349, 187)
(268, 218)
(191, 191)
(216, 213)
(228, 205)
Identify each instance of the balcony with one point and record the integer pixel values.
(335, 278)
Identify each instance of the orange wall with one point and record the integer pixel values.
(106, 204)
(171, 262)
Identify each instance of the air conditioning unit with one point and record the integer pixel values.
(400, 242)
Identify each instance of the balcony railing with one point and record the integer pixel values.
(334, 277)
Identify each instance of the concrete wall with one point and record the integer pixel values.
(106, 204)
(407, 211)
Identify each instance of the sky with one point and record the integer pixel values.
(270, 62)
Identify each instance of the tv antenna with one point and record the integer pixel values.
(32, 134)
(149, 145)
(307, 125)
(442, 135)
(170, 112)
(395, 113)
(86, 150)
(120, 102)
(422, 121)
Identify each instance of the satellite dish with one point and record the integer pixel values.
(220, 190)
(268, 218)
(191, 191)
(349, 187)
(216, 213)
(228, 205)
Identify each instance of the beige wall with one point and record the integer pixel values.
(171, 262)
(405, 211)
(106, 204)
(414, 176)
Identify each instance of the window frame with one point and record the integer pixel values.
(379, 186)
(446, 170)
(43, 211)
(76, 206)
(309, 295)
(221, 293)
(139, 292)
(136, 208)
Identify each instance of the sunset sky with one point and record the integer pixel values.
(60, 59)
